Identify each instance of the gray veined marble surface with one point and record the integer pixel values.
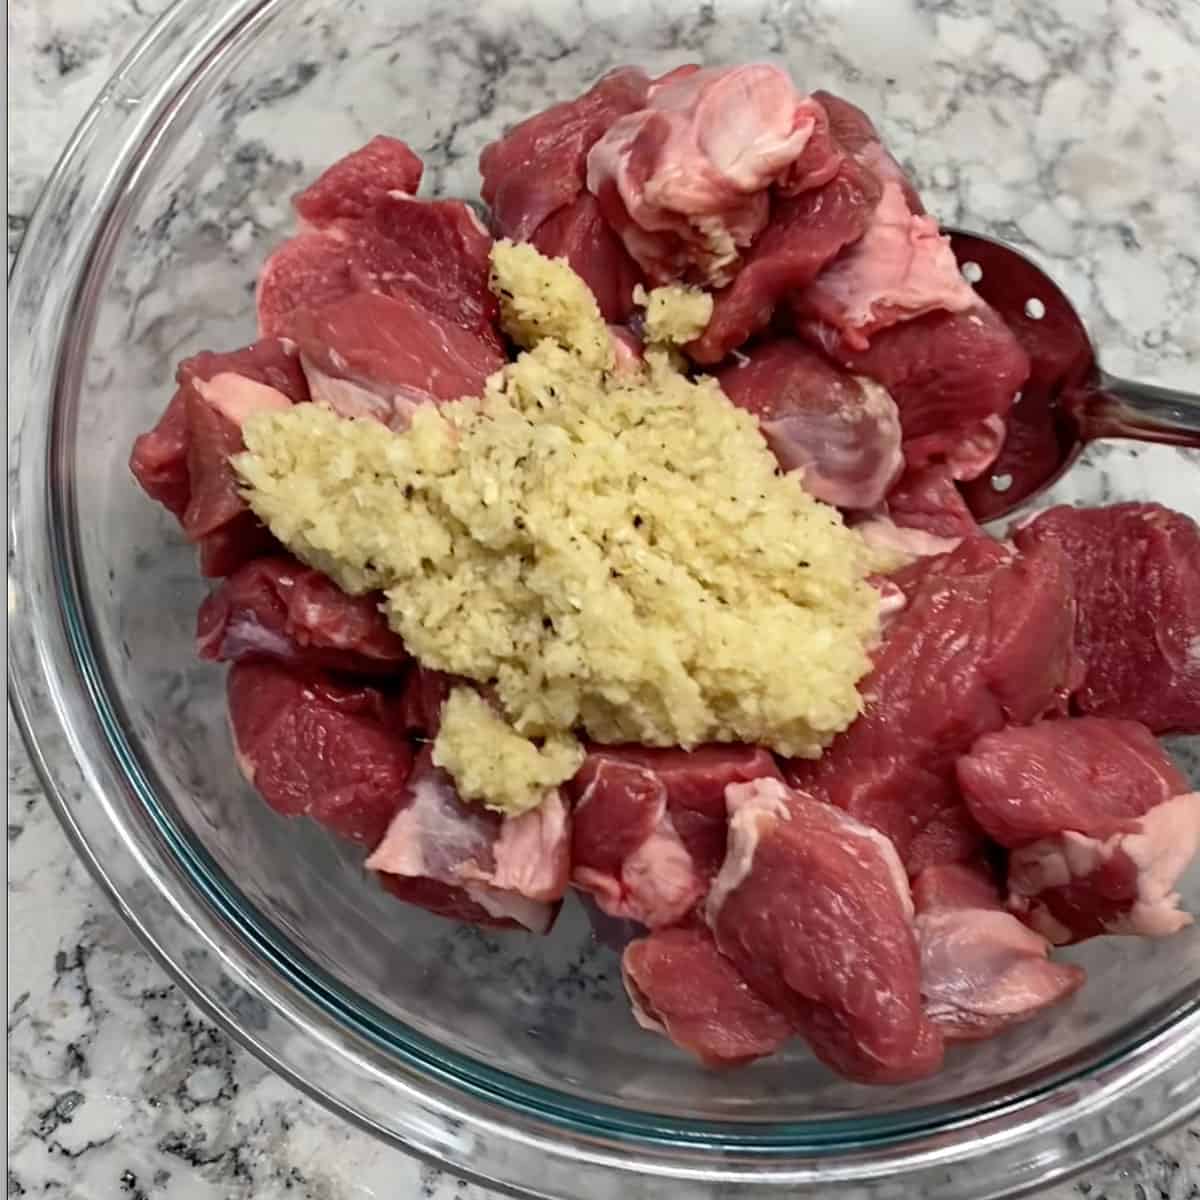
(117, 1086)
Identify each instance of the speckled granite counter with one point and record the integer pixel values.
(117, 1086)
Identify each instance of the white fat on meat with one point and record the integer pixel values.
(244, 635)
(754, 808)
(535, 915)
(1165, 843)
(977, 448)
(982, 970)
(531, 852)
(657, 883)
(892, 599)
(901, 264)
(749, 122)
(662, 875)
(436, 836)
(882, 533)
(721, 137)
(849, 457)
(236, 397)
(393, 407)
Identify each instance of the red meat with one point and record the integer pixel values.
(982, 971)
(947, 371)
(456, 858)
(813, 908)
(1098, 820)
(806, 232)
(841, 432)
(277, 608)
(357, 183)
(316, 748)
(649, 825)
(579, 233)
(899, 269)
(434, 252)
(1137, 578)
(183, 462)
(683, 181)
(984, 639)
(681, 985)
(540, 165)
(371, 355)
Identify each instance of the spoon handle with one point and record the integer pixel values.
(1123, 408)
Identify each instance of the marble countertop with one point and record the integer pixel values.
(118, 1087)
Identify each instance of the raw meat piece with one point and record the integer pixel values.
(926, 499)
(446, 900)
(215, 411)
(813, 909)
(649, 825)
(356, 183)
(883, 533)
(681, 985)
(540, 165)
(1137, 575)
(1096, 815)
(316, 748)
(683, 181)
(626, 852)
(183, 461)
(946, 371)
(159, 457)
(956, 885)
(819, 161)
(436, 251)
(1093, 775)
(981, 969)
(455, 858)
(242, 540)
(900, 268)
(805, 233)
(278, 608)
(425, 691)
(307, 271)
(580, 234)
(433, 252)
(984, 639)
(965, 454)
(854, 131)
(946, 832)
(1073, 886)
(842, 433)
(370, 355)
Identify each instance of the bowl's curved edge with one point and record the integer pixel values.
(438, 1123)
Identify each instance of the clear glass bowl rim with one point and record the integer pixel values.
(425, 1098)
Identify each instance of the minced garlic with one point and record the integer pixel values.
(544, 299)
(675, 314)
(494, 764)
(615, 554)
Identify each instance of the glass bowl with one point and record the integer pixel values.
(510, 1059)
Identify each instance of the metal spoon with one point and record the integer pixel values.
(1068, 400)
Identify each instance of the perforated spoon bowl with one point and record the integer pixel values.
(1068, 400)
